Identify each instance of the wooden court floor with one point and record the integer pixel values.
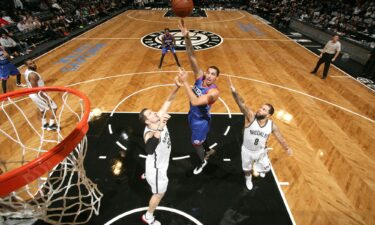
(329, 124)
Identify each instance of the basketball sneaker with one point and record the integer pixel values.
(45, 126)
(151, 221)
(52, 127)
(200, 167)
(249, 183)
(21, 85)
(262, 175)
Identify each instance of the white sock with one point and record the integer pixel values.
(248, 177)
(149, 215)
(44, 121)
(51, 122)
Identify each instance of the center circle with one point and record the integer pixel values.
(200, 39)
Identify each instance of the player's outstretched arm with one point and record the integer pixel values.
(163, 110)
(281, 139)
(190, 50)
(208, 98)
(247, 112)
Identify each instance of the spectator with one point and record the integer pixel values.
(18, 4)
(23, 44)
(6, 69)
(10, 45)
(36, 23)
(64, 16)
(3, 22)
(29, 24)
(48, 31)
(7, 18)
(347, 17)
(3, 29)
(43, 5)
(22, 26)
(57, 7)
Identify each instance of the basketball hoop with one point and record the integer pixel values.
(42, 171)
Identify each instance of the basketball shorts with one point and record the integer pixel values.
(156, 178)
(6, 69)
(164, 50)
(200, 126)
(43, 104)
(257, 160)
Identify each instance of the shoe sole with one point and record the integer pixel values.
(52, 129)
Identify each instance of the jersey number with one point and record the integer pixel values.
(256, 141)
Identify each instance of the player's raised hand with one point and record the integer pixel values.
(182, 75)
(163, 121)
(177, 81)
(231, 84)
(164, 118)
(184, 30)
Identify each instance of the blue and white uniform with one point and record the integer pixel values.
(199, 116)
(6, 67)
(168, 44)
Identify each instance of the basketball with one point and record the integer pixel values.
(182, 8)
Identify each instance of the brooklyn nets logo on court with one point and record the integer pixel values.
(201, 40)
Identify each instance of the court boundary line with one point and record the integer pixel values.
(282, 195)
(178, 18)
(339, 76)
(258, 39)
(311, 52)
(235, 76)
(107, 38)
(305, 94)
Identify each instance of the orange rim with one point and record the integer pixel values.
(17, 178)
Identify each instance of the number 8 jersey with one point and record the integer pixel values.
(255, 137)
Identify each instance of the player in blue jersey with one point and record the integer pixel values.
(168, 43)
(6, 69)
(201, 96)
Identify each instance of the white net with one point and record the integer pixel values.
(63, 195)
